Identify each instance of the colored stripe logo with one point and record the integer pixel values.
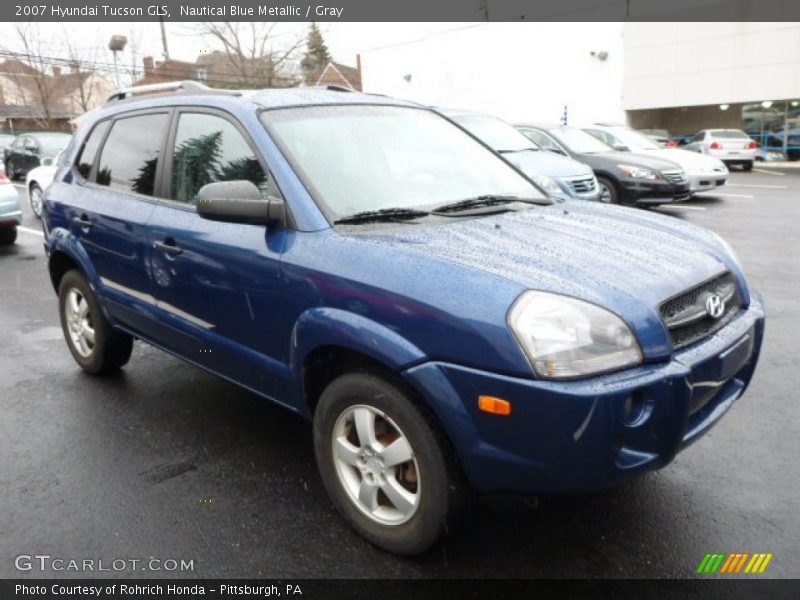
(734, 563)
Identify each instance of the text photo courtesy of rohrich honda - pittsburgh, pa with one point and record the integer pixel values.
(492, 298)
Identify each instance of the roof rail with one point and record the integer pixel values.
(186, 86)
(338, 88)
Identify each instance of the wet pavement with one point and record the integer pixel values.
(165, 461)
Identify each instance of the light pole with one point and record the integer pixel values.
(117, 44)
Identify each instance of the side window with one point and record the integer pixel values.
(539, 139)
(699, 137)
(17, 143)
(209, 148)
(603, 136)
(87, 155)
(129, 158)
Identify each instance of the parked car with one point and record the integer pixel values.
(10, 214)
(623, 178)
(30, 150)
(768, 154)
(705, 172)
(731, 146)
(365, 263)
(6, 139)
(36, 181)
(559, 176)
(659, 136)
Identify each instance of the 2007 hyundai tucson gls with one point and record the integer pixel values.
(366, 264)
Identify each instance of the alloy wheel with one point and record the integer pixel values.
(36, 200)
(375, 464)
(79, 323)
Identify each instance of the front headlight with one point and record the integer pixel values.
(639, 172)
(564, 337)
(547, 184)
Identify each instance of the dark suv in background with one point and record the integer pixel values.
(623, 177)
(31, 150)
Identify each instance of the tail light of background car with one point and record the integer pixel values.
(671, 144)
(716, 146)
(752, 144)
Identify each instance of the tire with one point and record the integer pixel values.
(110, 349)
(10, 172)
(608, 190)
(8, 235)
(35, 198)
(432, 491)
(748, 166)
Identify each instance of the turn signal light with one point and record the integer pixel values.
(494, 406)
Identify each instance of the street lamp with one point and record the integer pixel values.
(117, 44)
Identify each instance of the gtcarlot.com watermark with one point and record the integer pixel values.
(48, 563)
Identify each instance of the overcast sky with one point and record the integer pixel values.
(344, 40)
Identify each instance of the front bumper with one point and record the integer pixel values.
(585, 435)
(653, 192)
(700, 181)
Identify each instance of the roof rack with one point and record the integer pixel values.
(187, 86)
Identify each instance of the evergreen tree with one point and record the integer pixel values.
(317, 55)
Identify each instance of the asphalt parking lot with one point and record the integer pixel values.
(166, 461)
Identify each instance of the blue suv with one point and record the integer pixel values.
(365, 263)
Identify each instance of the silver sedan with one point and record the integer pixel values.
(10, 213)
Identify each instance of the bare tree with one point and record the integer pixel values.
(255, 55)
(84, 79)
(28, 73)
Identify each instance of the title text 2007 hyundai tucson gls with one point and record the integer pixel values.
(365, 263)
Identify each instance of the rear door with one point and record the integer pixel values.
(117, 170)
(218, 285)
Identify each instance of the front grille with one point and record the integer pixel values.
(677, 177)
(583, 185)
(687, 318)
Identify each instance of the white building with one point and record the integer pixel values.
(679, 76)
(513, 70)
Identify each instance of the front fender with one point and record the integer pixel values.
(323, 326)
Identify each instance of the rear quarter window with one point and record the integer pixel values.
(88, 153)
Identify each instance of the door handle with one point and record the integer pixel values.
(82, 221)
(170, 249)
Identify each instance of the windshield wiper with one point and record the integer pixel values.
(485, 200)
(384, 214)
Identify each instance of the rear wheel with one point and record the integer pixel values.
(8, 235)
(608, 191)
(386, 466)
(748, 166)
(35, 195)
(94, 344)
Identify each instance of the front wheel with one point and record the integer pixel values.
(608, 191)
(10, 172)
(386, 466)
(95, 345)
(35, 194)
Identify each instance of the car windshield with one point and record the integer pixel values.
(579, 141)
(53, 143)
(729, 134)
(633, 139)
(495, 133)
(357, 158)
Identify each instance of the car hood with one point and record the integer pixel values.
(635, 159)
(550, 164)
(625, 260)
(689, 161)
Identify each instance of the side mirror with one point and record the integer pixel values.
(47, 162)
(621, 147)
(557, 150)
(30, 148)
(238, 201)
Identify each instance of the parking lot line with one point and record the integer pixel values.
(31, 231)
(718, 195)
(759, 185)
(682, 207)
(769, 172)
